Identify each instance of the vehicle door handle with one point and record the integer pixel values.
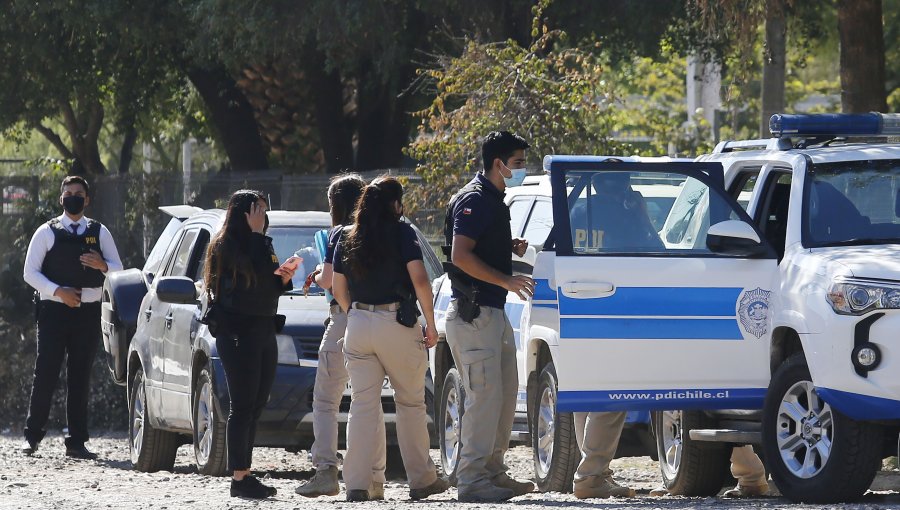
(169, 321)
(147, 313)
(587, 290)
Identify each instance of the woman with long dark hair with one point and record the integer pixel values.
(378, 275)
(244, 279)
(331, 374)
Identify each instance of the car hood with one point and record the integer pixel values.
(880, 262)
(304, 316)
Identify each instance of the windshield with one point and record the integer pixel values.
(853, 203)
(298, 241)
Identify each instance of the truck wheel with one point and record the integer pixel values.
(210, 450)
(151, 449)
(689, 468)
(453, 398)
(815, 453)
(556, 453)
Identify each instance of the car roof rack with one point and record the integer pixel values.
(769, 144)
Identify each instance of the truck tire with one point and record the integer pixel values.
(210, 448)
(689, 468)
(449, 421)
(556, 453)
(151, 449)
(815, 453)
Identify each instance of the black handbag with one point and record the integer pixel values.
(213, 317)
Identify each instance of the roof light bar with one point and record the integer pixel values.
(835, 124)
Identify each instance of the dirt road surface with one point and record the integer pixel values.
(50, 481)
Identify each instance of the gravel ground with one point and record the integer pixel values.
(49, 480)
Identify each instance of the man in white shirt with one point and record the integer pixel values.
(67, 260)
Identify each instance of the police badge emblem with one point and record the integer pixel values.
(753, 311)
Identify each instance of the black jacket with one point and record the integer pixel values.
(260, 299)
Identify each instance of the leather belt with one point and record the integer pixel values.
(387, 307)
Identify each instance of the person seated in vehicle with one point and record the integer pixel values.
(613, 217)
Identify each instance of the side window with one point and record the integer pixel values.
(159, 252)
(608, 216)
(742, 187)
(773, 217)
(179, 264)
(198, 262)
(539, 223)
(518, 212)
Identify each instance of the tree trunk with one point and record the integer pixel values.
(335, 133)
(861, 31)
(127, 148)
(773, 65)
(382, 122)
(232, 117)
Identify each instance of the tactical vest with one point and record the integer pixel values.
(62, 265)
(494, 246)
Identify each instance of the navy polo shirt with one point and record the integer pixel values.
(475, 216)
(333, 236)
(380, 287)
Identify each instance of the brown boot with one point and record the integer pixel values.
(747, 491)
(602, 487)
(323, 483)
(519, 488)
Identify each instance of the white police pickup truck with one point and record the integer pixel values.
(556, 453)
(774, 325)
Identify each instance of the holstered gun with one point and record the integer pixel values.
(467, 302)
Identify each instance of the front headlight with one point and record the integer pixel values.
(849, 296)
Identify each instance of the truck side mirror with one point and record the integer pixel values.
(525, 263)
(735, 237)
(176, 289)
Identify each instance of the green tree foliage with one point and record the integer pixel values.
(557, 96)
(83, 62)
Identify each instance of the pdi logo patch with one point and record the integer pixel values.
(753, 311)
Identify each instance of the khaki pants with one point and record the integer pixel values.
(485, 353)
(746, 467)
(376, 345)
(331, 380)
(598, 437)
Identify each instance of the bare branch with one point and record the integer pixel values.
(57, 142)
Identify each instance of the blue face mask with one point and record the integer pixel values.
(517, 176)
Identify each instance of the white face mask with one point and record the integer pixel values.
(516, 176)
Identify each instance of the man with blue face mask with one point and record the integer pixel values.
(479, 245)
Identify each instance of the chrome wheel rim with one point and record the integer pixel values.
(804, 430)
(451, 430)
(204, 429)
(545, 430)
(672, 439)
(137, 423)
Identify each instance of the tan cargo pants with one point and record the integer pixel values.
(747, 467)
(376, 345)
(331, 380)
(485, 354)
(598, 437)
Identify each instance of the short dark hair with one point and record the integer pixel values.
(500, 144)
(343, 193)
(74, 179)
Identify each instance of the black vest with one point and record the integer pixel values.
(494, 247)
(62, 265)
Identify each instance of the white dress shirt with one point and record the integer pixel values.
(43, 240)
